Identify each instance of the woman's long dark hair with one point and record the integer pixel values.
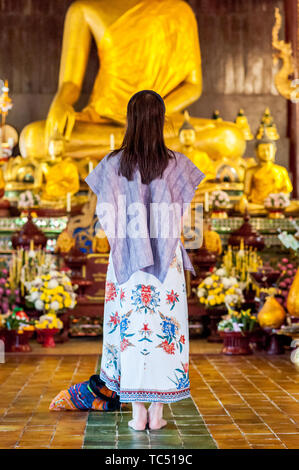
(143, 145)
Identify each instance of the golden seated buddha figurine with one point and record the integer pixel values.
(212, 239)
(65, 242)
(264, 178)
(100, 243)
(187, 136)
(62, 177)
(22, 174)
(142, 44)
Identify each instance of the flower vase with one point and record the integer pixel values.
(235, 343)
(275, 213)
(47, 336)
(2, 335)
(39, 337)
(215, 315)
(17, 342)
(219, 213)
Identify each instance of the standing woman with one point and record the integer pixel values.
(145, 328)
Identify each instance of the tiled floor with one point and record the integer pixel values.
(185, 429)
(249, 401)
(239, 402)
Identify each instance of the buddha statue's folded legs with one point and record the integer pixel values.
(92, 139)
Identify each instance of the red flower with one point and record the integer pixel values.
(168, 348)
(115, 319)
(182, 339)
(146, 294)
(122, 294)
(124, 344)
(186, 367)
(110, 292)
(172, 297)
(145, 327)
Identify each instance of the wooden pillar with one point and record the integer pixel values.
(292, 35)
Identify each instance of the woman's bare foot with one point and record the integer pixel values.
(139, 421)
(155, 416)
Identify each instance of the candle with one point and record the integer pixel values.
(112, 142)
(68, 202)
(206, 202)
(90, 167)
(31, 245)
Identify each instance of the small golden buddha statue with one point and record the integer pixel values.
(264, 178)
(267, 127)
(150, 44)
(100, 243)
(242, 122)
(22, 174)
(64, 242)
(201, 159)
(212, 239)
(216, 115)
(62, 175)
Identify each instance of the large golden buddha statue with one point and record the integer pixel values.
(150, 44)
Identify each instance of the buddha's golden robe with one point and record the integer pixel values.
(205, 164)
(213, 242)
(269, 179)
(148, 26)
(62, 178)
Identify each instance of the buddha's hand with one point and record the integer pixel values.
(61, 116)
(242, 204)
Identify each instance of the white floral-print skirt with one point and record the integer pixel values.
(145, 336)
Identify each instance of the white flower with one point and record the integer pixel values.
(231, 299)
(236, 326)
(54, 305)
(226, 283)
(201, 292)
(277, 200)
(220, 272)
(52, 284)
(208, 281)
(31, 254)
(39, 304)
(34, 296)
